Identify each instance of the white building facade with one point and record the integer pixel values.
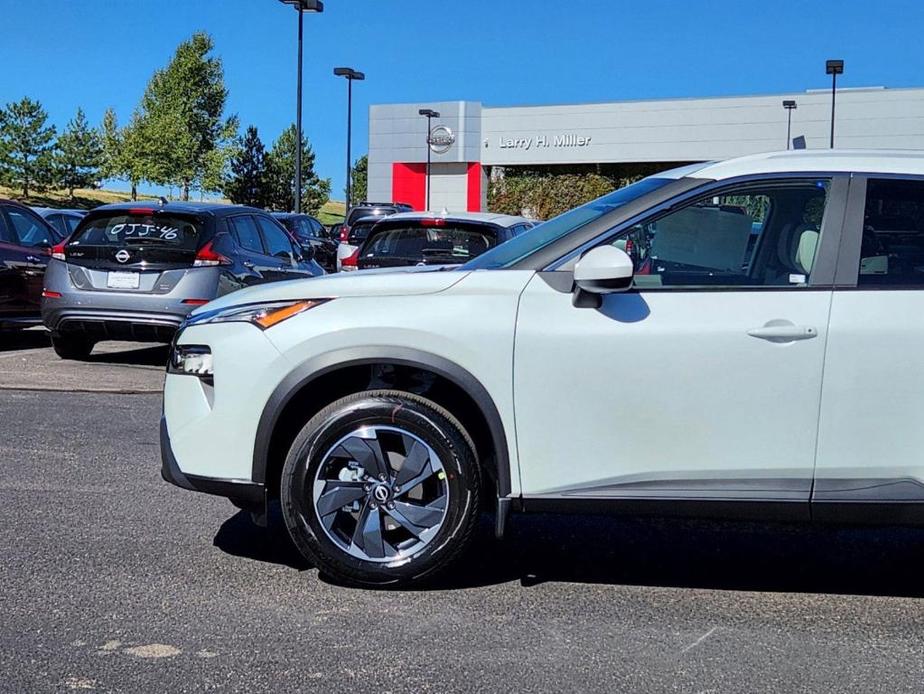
(468, 138)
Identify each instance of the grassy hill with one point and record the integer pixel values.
(331, 213)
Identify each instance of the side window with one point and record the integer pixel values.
(753, 235)
(30, 230)
(57, 221)
(316, 227)
(245, 233)
(6, 234)
(70, 224)
(277, 241)
(306, 228)
(892, 248)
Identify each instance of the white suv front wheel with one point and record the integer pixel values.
(381, 488)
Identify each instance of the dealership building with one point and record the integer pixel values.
(469, 141)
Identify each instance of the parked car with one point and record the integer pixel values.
(348, 250)
(425, 238)
(64, 221)
(25, 249)
(132, 271)
(313, 237)
(386, 409)
(363, 215)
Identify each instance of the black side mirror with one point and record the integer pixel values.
(307, 251)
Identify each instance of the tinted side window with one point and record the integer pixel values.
(6, 234)
(892, 247)
(30, 230)
(57, 221)
(70, 223)
(754, 235)
(245, 232)
(277, 241)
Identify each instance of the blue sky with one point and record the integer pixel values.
(99, 53)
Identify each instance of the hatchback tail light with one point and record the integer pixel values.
(344, 233)
(208, 256)
(351, 262)
(57, 252)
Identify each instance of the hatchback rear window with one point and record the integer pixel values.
(359, 232)
(360, 212)
(449, 244)
(153, 229)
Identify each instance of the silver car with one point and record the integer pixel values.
(133, 271)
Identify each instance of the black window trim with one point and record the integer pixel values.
(5, 210)
(823, 274)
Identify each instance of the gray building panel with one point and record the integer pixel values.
(664, 130)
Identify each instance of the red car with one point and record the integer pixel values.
(25, 249)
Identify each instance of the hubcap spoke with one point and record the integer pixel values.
(416, 518)
(337, 495)
(417, 458)
(367, 453)
(368, 533)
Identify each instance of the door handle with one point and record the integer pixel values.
(783, 332)
(247, 264)
(33, 259)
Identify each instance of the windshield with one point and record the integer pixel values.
(542, 235)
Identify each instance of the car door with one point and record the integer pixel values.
(26, 242)
(252, 266)
(701, 382)
(870, 434)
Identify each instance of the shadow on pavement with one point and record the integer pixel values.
(11, 340)
(155, 355)
(654, 552)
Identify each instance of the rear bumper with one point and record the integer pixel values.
(113, 325)
(245, 494)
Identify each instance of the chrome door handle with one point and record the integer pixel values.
(247, 264)
(33, 259)
(784, 333)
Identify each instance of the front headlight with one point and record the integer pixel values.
(264, 315)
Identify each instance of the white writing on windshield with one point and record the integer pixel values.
(145, 230)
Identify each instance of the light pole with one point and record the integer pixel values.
(789, 105)
(350, 75)
(833, 68)
(428, 113)
(301, 6)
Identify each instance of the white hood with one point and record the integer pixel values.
(385, 282)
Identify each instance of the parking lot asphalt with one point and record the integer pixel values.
(111, 580)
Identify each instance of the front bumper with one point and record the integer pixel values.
(243, 493)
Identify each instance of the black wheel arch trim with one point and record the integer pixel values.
(318, 366)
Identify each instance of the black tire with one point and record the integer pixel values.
(424, 420)
(71, 347)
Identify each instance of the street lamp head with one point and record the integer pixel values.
(789, 104)
(349, 73)
(834, 67)
(429, 113)
(305, 5)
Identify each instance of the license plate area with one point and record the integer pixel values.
(123, 280)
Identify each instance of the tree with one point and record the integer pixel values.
(360, 178)
(78, 155)
(281, 165)
(121, 155)
(180, 123)
(26, 145)
(249, 181)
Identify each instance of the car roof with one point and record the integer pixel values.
(290, 215)
(502, 220)
(214, 208)
(907, 162)
(45, 211)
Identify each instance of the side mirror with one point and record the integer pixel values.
(602, 270)
(307, 251)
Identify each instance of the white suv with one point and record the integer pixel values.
(738, 338)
